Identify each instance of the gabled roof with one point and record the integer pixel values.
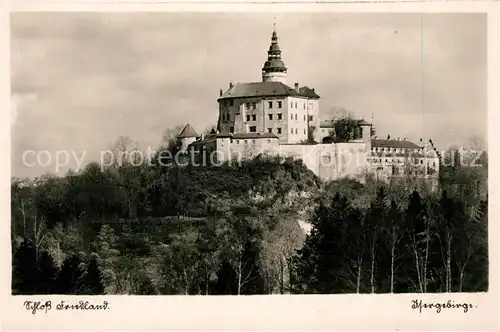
(308, 92)
(393, 143)
(187, 132)
(266, 89)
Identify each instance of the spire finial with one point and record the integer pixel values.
(274, 24)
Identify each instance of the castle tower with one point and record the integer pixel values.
(187, 136)
(274, 69)
(366, 134)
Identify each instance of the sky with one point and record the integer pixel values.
(81, 80)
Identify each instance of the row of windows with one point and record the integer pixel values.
(296, 131)
(396, 150)
(270, 130)
(253, 129)
(279, 116)
(246, 141)
(400, 161)
(270, 104)
(279, 104)
(254, 117)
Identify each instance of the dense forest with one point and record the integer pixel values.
(150, 229)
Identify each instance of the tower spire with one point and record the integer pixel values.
(274, 69)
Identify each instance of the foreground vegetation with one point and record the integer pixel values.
(235, 230)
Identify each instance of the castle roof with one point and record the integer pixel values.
(266, 89)
(393, 143)
(187, 132)
(274, 62)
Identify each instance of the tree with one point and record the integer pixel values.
(321, 262)
(376, 217)
(69, 279)
(25, 273)
(105, 247)
(418, 231)
(47, 273)
(92, 283)
(394, 232)
(180, 266)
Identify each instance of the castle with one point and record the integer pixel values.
(273, 118)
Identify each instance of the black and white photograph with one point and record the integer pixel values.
(250, 153)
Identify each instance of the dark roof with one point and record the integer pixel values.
(308, 92)
(362, 122)
(265, 89)
(188, 131)
(394, 143)
(254, 135)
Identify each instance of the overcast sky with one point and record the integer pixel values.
(80, 80)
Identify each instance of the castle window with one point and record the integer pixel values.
(310, 118)
(270, 116)
(231, 102)
(304, 131)
(237, 141)
(247, 106)
(228, 117)
(304, 117)
(245, 142)
(291, 131)
(280, 104)
(253, 141)
(254, 105)
(248, 117)
(421, 161)
(295, 116)
(231, 129)
(269, 130)
(270, 104)
(279, 116)
(291, 104)
(304, 105)
(291, 116)
(268, 141)
(254, 117)
(279, 130)
(253, 129)
(295, 107)
(296, 131)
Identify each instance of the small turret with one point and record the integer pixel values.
(366, 133)
(187, 136)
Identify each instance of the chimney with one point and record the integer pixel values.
(220, 93)
(421, 140)
(231, 85)
(297, 87)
